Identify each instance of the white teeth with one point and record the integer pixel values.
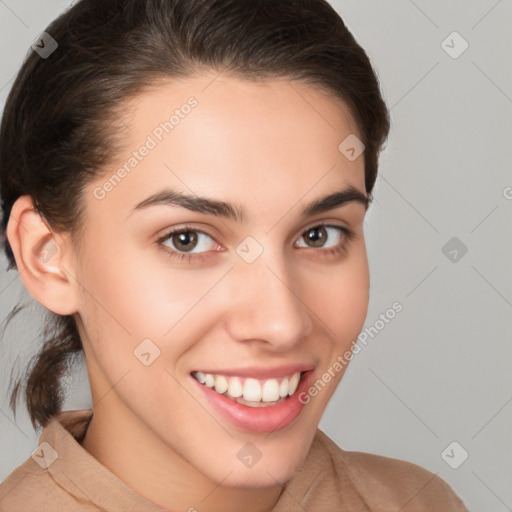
(294, 381)
(252, 390)
(283, 388)
(235, 387)
(221, 384)
(270, 391)
(209, 380)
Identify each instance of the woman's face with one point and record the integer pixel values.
(260, 297)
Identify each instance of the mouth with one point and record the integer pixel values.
(252, 392)
(255, 404)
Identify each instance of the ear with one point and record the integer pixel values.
(44, 258)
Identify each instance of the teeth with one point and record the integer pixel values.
(270, 391)
(235, 387)
(283, 388)
(209, 380)
(221, 384)
(252, 390)
(294, 381)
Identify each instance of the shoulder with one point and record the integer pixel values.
(27, 486)
(33, 486)
(385, 481)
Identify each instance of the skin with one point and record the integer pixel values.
(270, 148)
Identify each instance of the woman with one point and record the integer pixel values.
(184, 185)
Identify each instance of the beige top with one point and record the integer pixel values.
(62, 476)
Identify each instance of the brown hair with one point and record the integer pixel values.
(56, 133)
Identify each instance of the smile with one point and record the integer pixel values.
(261, 404)
(249, 391)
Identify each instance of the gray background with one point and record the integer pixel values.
(440, 371)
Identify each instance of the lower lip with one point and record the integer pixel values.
(258, 419)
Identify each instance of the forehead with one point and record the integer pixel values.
(226, 95)
(220, 135)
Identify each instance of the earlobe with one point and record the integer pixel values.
(42, 258)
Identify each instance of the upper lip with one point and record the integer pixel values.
(261, 372)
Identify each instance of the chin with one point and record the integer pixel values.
(265, 476)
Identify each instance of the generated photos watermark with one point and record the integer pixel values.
(343, 359)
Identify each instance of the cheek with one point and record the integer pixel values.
(128, 302)
(340, 298)
(139, 295)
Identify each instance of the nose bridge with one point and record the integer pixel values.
(267, 305)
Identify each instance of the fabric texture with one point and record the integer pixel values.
(62, 476)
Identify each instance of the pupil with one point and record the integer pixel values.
(184, 240)
(317, 239)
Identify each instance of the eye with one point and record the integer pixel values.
(326, 241)
(187, 243)
(335, 236)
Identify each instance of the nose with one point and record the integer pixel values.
(269, 304)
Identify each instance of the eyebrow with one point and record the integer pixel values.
(231, 211)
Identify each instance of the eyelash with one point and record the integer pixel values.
(331, 252)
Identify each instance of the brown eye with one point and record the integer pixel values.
(184, 240)
(318, 236)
